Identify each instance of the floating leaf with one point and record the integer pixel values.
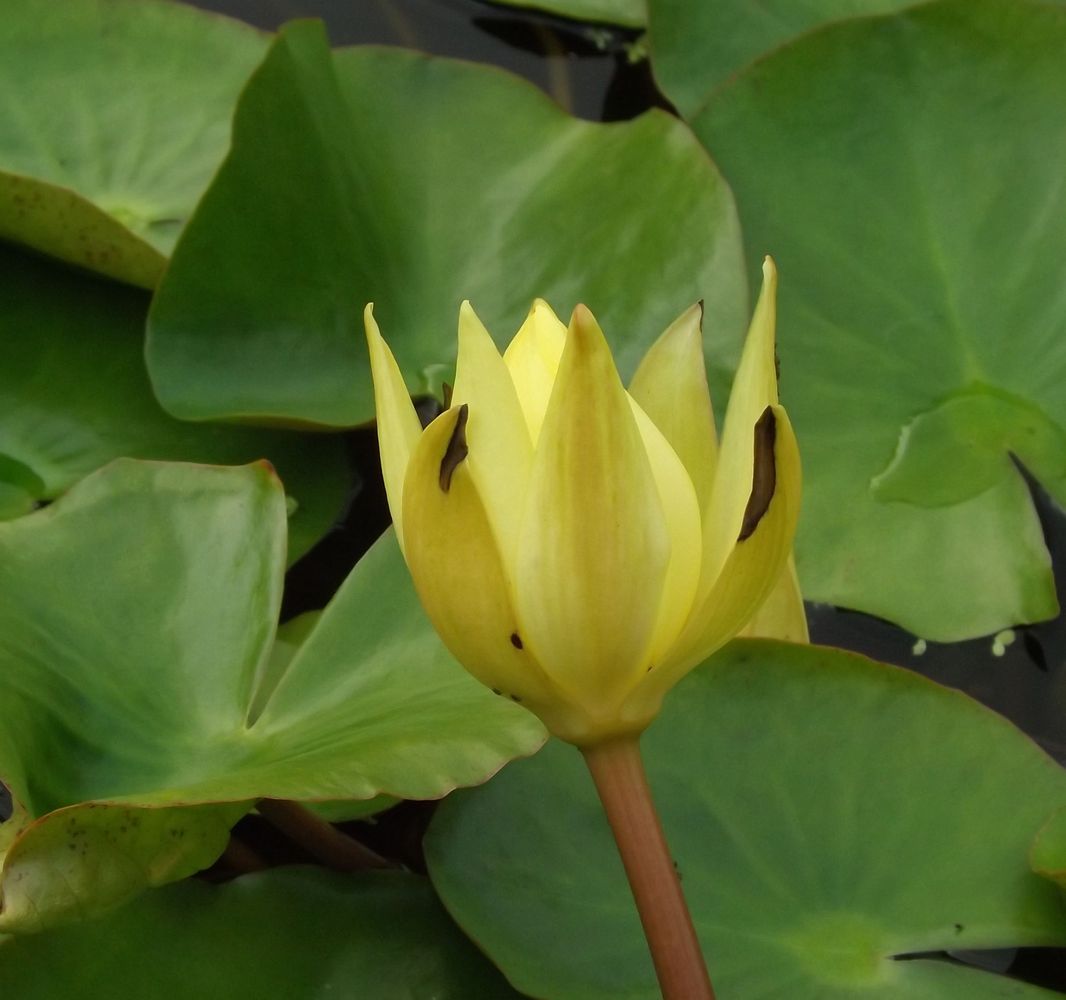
(297, 933)
(116, 114)
(827, 815)
(74, 394)
(136, 619)
(904, 172)
(416, 182)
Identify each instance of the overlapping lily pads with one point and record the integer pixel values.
(74, 394)
(904, 172)
(139, 714)
(416, 182)
(827, 815)
(117, 112)
(294, 933)
(698, 46)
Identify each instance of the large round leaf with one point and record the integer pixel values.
(295, 933)
(904, 171)
(139, 697)
(826, 814)
(116, 114)
(74, 394)
(416, 182)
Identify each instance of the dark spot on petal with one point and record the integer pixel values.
(446, 392)
(496, 691)
(516, 640)
(515, 698)
(764, 475)
(456, 450)
(777, 365)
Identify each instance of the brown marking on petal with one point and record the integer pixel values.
(516, 640)
(456, 450)
(446, 393)
(516, 699)
(764, 475)
(777, 366)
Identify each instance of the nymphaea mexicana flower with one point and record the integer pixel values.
(579, 547)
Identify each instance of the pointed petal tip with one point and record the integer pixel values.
(583, 323)
(471, 330)
(769, 270)
(582, 314)
(586, 335)
(369, 323)
(691, 320)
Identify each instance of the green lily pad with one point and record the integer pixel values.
(139, 717)
(116, 115)
(904, 172)
(1048, 856)
(627, 13)
(287, 642)
(297, 933)
(826, 814)
(416, 182)
(74, 394)
(697, 46)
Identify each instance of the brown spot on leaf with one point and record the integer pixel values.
(764, 474)
(456, 450)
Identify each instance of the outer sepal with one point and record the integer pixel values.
(458, 571)
(398, 424)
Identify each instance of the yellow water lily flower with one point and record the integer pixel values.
(579, 547)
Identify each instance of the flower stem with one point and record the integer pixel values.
(320, 839)
(618, 772)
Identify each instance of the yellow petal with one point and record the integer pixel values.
(595, 546)
(532, 358)
(782, 615)
(681, 510)
(501, 451)
(671, 387)
(398, 426)
(457, 570)
(754, 389)
(753, 566)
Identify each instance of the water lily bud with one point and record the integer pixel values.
(579, 547)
